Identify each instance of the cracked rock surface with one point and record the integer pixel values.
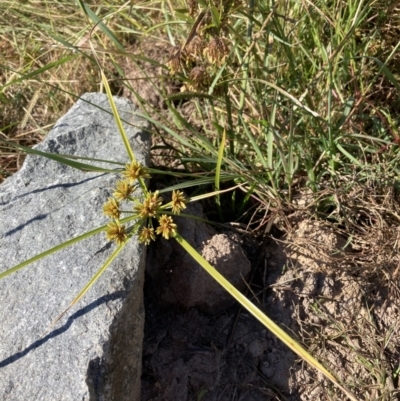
(94, 351)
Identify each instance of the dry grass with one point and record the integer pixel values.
(344, 282)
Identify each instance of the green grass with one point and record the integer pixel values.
(306, 101)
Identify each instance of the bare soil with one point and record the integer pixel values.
(347, 322)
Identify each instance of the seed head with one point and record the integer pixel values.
(217, 51)
(111, 208)
(174, 63)
(195, 48)
(167, 227)
(198, 78)
(116, 232)
(150, 205)
(147, 235)
(123, 190)
(135, 170)
(178, 202)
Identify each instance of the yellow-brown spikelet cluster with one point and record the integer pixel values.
(198, 78)
(150, 206)
(134, 171)
(111, 208)
(143, 213)
(217, 51)
(178, 202)
(194, 49)
(116, 232)
(123, 190)
(167, 227)
(206, 47)
(175, 61)
(147, 235)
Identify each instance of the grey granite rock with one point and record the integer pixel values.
(94, 351)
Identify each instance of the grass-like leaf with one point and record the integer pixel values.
(88, 11)
(50, 251)
(63, 159)
(91, 282)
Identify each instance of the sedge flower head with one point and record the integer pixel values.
(149, 207)
(167, 227)
(123, 190)
(111, 208)
(135, 170)
(217, 51)
(198, 78)
(116, 232)
(178, 202)
(147, 235)
(195, 47)
(174, 63)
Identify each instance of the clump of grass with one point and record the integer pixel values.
(291, 83)
(46, 66)
(291, 94)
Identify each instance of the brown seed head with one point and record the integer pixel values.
(217, 51)
(194, 48)
(198, 78)
(174, 63)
